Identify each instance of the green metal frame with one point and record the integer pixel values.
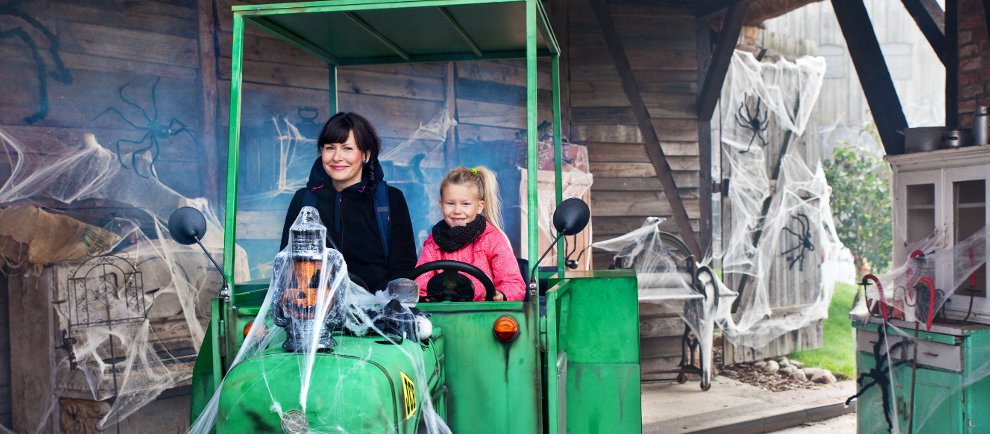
(536, 21)
(592, 363)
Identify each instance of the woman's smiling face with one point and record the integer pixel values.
(344, 162)
(460, 204)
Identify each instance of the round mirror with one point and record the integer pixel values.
(187, 225)
(571, 216)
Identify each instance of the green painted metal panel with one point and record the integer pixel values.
(248, 399)
(234, 138)
(593, 342)
(558, 184)
(493, 387)
(207, 371)
(532, 145)
(603, 398)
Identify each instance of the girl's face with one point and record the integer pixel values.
(344, 162)
(460, 204)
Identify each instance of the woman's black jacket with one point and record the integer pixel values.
(352, 225)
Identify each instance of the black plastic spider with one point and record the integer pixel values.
(755, 121)
(880, 373)
(154, 132)
(60, 74)
(804, 242)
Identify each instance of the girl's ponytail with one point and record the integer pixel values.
(489, 188)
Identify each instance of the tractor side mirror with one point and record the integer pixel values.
(571, 216)
(187, 225)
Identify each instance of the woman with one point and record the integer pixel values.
(366, 220)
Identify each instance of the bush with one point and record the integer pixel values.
(861, 205)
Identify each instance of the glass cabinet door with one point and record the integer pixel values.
(917, 223)
(969, 214)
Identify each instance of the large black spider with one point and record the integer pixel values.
(154, 131)
(804, 243)
(12, 8)
(880, 373)
(755, 121)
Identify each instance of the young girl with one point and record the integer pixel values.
(470, 232)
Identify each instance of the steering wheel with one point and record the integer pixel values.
(463, 267)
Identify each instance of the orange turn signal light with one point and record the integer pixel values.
(506, 328)
(247, 328)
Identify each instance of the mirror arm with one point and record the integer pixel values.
(225, 290)
(533, 278)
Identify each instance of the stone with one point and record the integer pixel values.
(823, 378)
(786, 370)
(728, 373)
(783, 361)
(810, 372)
(798, 375)
(771, 367)
(760, 365)
(796, 363)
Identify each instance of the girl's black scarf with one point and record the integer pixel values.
(452, 239)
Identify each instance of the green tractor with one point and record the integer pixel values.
(566, 359)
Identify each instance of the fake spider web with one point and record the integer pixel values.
(109, 357)
(908, 300)
(313, 314)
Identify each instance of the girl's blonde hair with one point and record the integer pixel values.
(483, 178)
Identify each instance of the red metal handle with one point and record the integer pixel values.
(881, 299)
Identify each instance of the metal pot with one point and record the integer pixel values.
(951, 139)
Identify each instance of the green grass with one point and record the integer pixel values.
(839, 353)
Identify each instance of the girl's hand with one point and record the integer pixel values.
(498, 296)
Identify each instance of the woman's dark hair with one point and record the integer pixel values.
(337, 127)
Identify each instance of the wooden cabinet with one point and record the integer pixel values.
(945, 194)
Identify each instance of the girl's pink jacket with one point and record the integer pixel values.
(491, 251)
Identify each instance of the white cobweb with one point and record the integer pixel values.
(133, 305)
(312, 308)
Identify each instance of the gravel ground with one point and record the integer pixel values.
(750, 374)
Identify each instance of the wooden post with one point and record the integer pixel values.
(32, 352)
(952, 64)
(208, 83)
(715, 78)
(931, 20)
(703, 38)
(873, 74)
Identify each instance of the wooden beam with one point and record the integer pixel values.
(642, 115)
(711, 90)
(873, 74)
(703, 41)
(952, 64)
(208, 76)
(931, 21)
(986, 16)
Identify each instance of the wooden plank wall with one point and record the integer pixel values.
(662, 51)
(104, 46)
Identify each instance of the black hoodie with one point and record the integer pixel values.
(352, 225)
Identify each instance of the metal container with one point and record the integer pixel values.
(951, 139)
(981, 127)
(922, 139)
